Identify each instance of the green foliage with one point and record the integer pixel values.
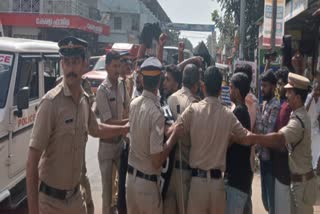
(231, 19)
(226, 26)
(187, 44)
(173, 37)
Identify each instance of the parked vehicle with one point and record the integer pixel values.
(98, 74)
(28, 69)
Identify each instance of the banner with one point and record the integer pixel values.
(225, 96)
(267, 23)
(54, 21)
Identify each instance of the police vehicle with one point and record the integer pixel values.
(28, 69)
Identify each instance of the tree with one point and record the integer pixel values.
(227, 27)
(187, 44)
(254, 10)
(173, 37)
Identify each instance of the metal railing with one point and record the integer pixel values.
(65, 7)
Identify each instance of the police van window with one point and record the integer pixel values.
(28, 76)
(51, 72)
(6, 64)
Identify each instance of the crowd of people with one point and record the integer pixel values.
(168, 143)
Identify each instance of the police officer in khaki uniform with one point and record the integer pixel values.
(112, 99)
(210, 125)
(177, 196)
(84, 181)
(147, 150)
(296, 137)
(58, 139)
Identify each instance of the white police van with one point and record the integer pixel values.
(28, 69)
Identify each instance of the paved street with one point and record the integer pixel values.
(95, 181)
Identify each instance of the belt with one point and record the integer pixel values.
(57, 193)
(301, 178)
(114, 140)
(214, 173)
(182, 165)
(140, 174)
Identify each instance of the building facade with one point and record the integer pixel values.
(126, 18)
(52, 20)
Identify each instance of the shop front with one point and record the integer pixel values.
(304, 29)
(53, 27)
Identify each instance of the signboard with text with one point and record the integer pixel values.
(267, 23)
(191, 27)
(294, 8)
(54, 21)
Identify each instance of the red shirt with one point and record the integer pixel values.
(280, 159)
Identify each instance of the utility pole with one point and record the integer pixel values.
(274, 25)
(242, 28)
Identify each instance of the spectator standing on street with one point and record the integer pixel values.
(280, 160)
(238, 174)
(265, 123)
(296, 138)
(112, 100)
(313, 107)
(57, 143)
(252, 104)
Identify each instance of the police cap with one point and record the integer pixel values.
(151, 67)
(297, 81)
(72, 46)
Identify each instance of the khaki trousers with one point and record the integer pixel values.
(303, 196)
(50, 205)
(109, 158)
(142, 196)
(206, 196)
(86, 188)
(176, 200)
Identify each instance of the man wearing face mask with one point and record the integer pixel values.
(64, 119)
(112, 100)
(265, 123)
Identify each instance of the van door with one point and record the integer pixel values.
(27, 76)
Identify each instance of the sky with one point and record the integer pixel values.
(190, 12)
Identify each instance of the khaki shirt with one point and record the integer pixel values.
(210, 125)
(147, 132)
(60, 133)
(111, 102)
(300, 159)
(183, 98)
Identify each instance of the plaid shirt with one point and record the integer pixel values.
(265, 123)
